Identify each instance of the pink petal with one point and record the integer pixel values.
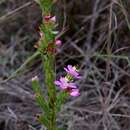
(57, 82)
(62, 83)
(79, 77)
(63, 80)
(41, 34)
(70, 67)
(72, 85)
(75, 93)
(58, 42)
(66, 69)
(53, 19)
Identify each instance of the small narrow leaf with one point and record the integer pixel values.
(43, 120)
(61, 129)
(39, 96)
(36, 86)
(42, 103)
(60, 100)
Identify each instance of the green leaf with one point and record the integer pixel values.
(43, 120)
(61, 129)
(36, 86)
(60, 100)
(48, 35)
(39, 98)
(45, 5)
(42, 103)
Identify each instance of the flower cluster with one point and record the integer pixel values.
(66, 83)
(49, 18)
(52, 19)
(57, 42)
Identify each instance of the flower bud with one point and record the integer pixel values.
(35, 78)
(58, 42)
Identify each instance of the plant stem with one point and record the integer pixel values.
(48, 64)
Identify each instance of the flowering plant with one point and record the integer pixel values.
(71, 88)
(46, 47)
(66, 83)
(72, 71)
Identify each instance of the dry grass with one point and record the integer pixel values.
(97, 41)
(100, 45)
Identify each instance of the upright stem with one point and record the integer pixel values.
(48, 64)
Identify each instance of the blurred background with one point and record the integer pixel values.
(96, 38)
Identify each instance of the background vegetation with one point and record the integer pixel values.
(96, 38)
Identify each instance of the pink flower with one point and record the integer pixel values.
(74, 92)
(72, 71)
(48, 18)
(41, 34)
(71, 88)
(53, 19)
(64, 84)
(58, 42)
